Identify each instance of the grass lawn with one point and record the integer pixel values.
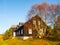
(28, 42)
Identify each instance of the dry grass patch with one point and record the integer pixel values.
(17, 41)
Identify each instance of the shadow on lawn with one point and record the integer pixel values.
(53, 38)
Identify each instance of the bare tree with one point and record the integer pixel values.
(48, 13)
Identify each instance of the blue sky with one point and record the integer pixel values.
(14, 11)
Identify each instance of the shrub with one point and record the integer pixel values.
(7, 34)
(54, 36)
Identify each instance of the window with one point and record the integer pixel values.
(41, 30)
(21, 31)
(34, 22)
(14, 34)
(30, 31)
(38, 22)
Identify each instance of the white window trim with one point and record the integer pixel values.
(30, 31)
(14, 34)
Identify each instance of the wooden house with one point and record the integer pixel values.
(34, 27)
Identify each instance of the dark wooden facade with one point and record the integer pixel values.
(30, 27)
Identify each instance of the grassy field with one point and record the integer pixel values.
(28, 42)
(18, 41)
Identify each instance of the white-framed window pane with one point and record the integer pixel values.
(30, 31)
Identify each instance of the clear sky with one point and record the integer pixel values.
(14, 11)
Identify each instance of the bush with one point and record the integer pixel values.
(7, 34)
(54, 36)
(57, 36)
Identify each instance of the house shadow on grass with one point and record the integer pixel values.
(53, 38)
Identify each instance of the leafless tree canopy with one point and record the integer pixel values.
(48, 12)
